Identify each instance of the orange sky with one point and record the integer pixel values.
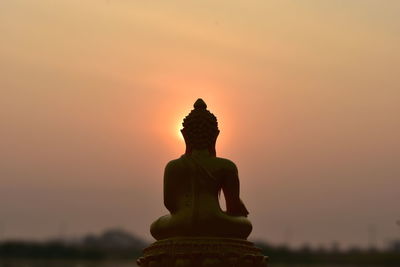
(306, 92)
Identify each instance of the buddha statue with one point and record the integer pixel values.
(193, 184)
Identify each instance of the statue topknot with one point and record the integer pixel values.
(200, 104)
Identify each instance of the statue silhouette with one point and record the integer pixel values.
(197, 232)
(193, 182)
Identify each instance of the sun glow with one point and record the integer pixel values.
(178, 131)
(179, 95)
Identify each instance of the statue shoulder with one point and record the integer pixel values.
(175, 165)
(227, 164)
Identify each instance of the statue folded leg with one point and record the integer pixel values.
(221, 226)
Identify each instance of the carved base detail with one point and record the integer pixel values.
(202, 252)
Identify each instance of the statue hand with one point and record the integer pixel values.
(238, 210)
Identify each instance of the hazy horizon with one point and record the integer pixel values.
(307, 96)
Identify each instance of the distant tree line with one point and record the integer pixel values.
(119, 244)
(112, 244)
(307, 255)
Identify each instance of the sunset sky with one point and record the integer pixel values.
(307, 93)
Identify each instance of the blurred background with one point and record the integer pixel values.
(93, 93)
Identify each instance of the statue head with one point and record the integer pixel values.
(200, 129)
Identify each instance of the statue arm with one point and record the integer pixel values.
(169, 200)
(231, 188)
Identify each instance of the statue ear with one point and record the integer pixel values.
(188, 147)
(216, 136)
(212, 148)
